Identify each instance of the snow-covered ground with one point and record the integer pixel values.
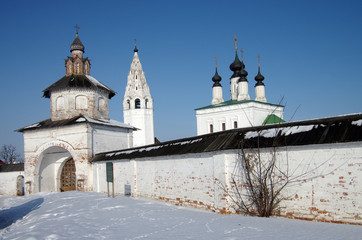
(79, 215)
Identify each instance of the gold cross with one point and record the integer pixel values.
(135, 42)
(236, 43)
(76, 28)
(259, 60)
(215, 61)
(242, 54)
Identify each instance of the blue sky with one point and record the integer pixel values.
(311, 55)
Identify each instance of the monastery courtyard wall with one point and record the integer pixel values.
(329, 191)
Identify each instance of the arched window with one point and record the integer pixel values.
(101, 104)
(60, 103)
(81, 102)
(211, 128)
(128, 104)
(146, 103)
(137, 103)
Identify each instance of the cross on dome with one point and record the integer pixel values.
(76, 28)
(236, 43)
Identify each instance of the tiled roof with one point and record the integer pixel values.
(317, 131)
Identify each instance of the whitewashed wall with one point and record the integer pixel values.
(46, 150)
(189, 180)
(194, 180)
(8, 182)
(246, 114)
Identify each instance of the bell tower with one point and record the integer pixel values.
(138, 104)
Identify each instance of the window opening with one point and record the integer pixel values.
(211, 128)
(223, 127)
(235, 124)
(137, 103)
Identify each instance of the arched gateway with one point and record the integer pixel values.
(56, 170)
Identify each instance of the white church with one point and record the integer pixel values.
(71, 150)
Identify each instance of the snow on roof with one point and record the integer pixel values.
(269, 133)
(77, 81)
(48, 123)
(357, 123)
(109, 122)
(318, 131)
(97, 83)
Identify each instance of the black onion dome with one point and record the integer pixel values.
(259, 78)
(77, 44)
(236, 65)
(216, 79)
(243, 73)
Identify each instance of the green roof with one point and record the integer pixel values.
(272, 119)
(233, 102)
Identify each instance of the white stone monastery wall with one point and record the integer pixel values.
(194, 180)
(8, 182)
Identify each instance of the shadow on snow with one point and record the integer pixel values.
(11, 215)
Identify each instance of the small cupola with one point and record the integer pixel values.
(243, 72)
(259, 86)
(216, 88)
(243, 86)
(77, 47)
(259, 78)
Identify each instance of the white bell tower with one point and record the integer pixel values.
(138, 104)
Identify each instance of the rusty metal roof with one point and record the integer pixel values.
(338, 129)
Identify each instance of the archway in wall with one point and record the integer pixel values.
(51, 163)
(68, 177)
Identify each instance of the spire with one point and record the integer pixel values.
(259, 78)
(135, 45)
(77, 44)
(216, 78)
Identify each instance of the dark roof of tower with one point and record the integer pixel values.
(77, 81)
(216, 79)
(135, 49)
(77, 44)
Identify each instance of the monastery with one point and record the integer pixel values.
(80, 148)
